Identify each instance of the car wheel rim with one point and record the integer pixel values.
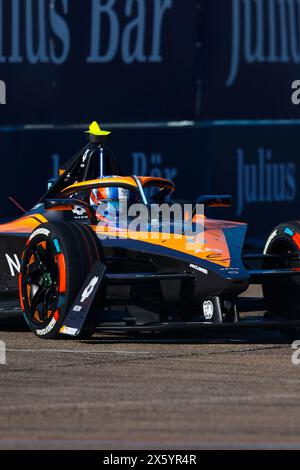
(40, 281)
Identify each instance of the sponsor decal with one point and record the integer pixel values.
(89, 289)
(57, 245)
(67, 330)
(79, 212)
(13, 264)
(48, 328)
(40, 231)
(77, 308)
(84, 157)
(208, 309)
(236, 270)
(198, 268)
(273, 235)
(288, 231)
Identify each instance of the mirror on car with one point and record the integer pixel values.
(215, 200)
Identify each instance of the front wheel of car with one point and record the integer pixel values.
(282, 294)
(56, 261)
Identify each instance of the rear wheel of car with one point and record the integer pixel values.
(56, 261)
(283, 294)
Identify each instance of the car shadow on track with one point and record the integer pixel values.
(255, 336)
(15, 323)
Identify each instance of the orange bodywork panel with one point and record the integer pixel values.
(25, 224)
(210, 245)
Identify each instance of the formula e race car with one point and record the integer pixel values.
(77, 266)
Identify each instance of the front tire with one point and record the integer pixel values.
(57, 260)
(283, 294)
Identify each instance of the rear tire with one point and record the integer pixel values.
(56, 262)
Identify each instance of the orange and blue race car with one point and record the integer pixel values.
(75, 265)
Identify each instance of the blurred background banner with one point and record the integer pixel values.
(249, 57)
(123, 60)
(197, 91)
(259, 165)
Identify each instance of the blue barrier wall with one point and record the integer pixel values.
(257, 164)
(208, 84)
(67, 60)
